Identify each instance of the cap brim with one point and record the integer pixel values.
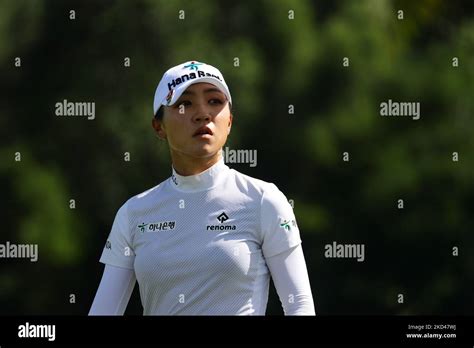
(180, 90)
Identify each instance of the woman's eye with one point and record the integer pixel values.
(184, 103)
(215, 101)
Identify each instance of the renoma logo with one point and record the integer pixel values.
(157, 226)
(222, 218)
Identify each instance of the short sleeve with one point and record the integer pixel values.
(118, 250)
(278, 223)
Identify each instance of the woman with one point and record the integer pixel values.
(206, 240)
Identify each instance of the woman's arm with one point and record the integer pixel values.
(114, 291)
(289, 274)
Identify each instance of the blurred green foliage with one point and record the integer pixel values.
(282, 62)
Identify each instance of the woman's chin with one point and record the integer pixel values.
(205, 151)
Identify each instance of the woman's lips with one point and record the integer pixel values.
(203, 132)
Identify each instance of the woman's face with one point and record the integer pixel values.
(198, 124)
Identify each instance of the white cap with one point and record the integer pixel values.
(175, 81)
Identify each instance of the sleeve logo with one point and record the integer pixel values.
(287, 224)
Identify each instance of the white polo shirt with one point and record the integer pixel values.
(198, 243)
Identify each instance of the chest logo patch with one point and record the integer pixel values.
(222, 218)
(157, 226)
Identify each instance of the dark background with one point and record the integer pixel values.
(408, 251)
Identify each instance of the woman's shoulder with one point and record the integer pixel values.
(267, 193)
(248, 182)
(148, 192)
(143, 198)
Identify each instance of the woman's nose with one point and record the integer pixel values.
(201, 114)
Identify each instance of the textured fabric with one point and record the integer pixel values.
(114, 291)
(289, 274)
(198, 244)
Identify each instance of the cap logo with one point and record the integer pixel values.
(169, 96)
(191, 76)
(193, 66)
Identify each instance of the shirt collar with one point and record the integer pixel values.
(199, 182)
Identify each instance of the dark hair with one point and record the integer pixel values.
(159, 113)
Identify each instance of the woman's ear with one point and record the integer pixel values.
(230, 123)
(158, 126)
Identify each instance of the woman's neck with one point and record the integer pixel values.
(186, 165)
